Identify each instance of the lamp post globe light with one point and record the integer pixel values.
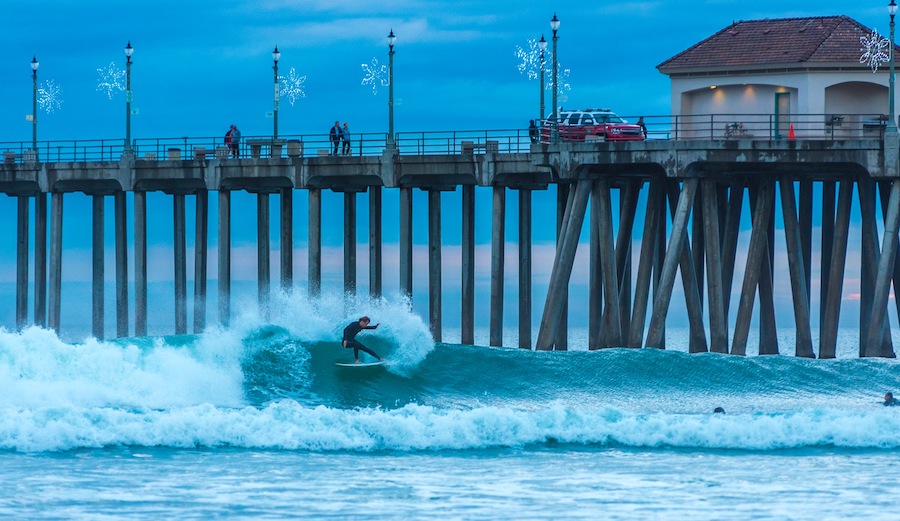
(34, 67)
(391, 41)
(129, 50)
(892, 121)
(542, 45)
(554, 25)
(275, 57)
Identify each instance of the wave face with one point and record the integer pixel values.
(275, 385)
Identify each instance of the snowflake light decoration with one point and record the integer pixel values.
(874, 50)
(563, 78)
(292, 86)
(530, 60)
(49, 97)
(111, 80)
(374, 75)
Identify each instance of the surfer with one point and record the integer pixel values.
(890, 401)
(350, 337)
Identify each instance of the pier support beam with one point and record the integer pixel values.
(828, 341)
(224, 256)
(434, 264)
(201, 245)
(562, 266)
(263, 253)
(673, 256)
(628, 201)
(757, 254)
(286, 244)
(350, 243)
(180, 258)
(56, 220)
(40, 259)
(467, 317)
(525, 268)
(314, 248)
(97, 272)
(22, 262)
(718, 321)
(120, 209)
(645, 264)
(406, 243)
(827, 247)
(564, 195)
(608, 266)
(884, 274)
(375, 243)
(498, 258)
(595, 273)
(140, 263)
(793, 235)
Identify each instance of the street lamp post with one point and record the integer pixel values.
(554, 25)
(542, 45)
(129, 50)
(391, 40)
(34, 67)
(275, 57)
(892, 121)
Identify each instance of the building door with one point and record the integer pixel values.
(782, 114)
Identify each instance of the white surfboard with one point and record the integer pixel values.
(362, 364)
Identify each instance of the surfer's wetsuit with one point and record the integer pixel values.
(350, 339)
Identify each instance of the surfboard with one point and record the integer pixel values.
(363, 364)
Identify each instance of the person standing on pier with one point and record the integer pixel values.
(345, 138)
(335, 137)
(235, 141)
(532, 131)
(350, 333)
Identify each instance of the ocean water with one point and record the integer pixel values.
(255, 421)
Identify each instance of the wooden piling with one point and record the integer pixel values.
(406, 243)
(140, 263)
(434, 264)
(608, 265)
(180, 258)
(756, 256)
(718, 321)
(595, 273)
(562, 267)
(120, 211)
(22, 262)
(564, 199)
(40, 259)
(55, 289)
(793, 235)
(828, 341)
(224, 256)
(467, 316)
(314, 243)
(201, 246)
(645, 264)
(375, 243)
(498, 258)
(525, 211)
(884, 274)
(97, 271)
(350, 242)
(286, 243)
(829, 187)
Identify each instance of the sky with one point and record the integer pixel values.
(201, 65)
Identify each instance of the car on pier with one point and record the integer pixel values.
(591, 124)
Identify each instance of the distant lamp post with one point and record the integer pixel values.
(391, 40)
(542, 45)
(892, 121)
(129, 96)
(554, 25)
(275, 57)
(34, 67)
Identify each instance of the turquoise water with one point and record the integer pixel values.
(256, 421)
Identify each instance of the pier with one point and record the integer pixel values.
(680, 198)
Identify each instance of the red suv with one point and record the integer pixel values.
(578, 125)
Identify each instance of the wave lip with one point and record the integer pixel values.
(290, 426)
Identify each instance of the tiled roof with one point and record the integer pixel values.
(784, 41)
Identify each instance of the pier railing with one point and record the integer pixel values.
(690, 127)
